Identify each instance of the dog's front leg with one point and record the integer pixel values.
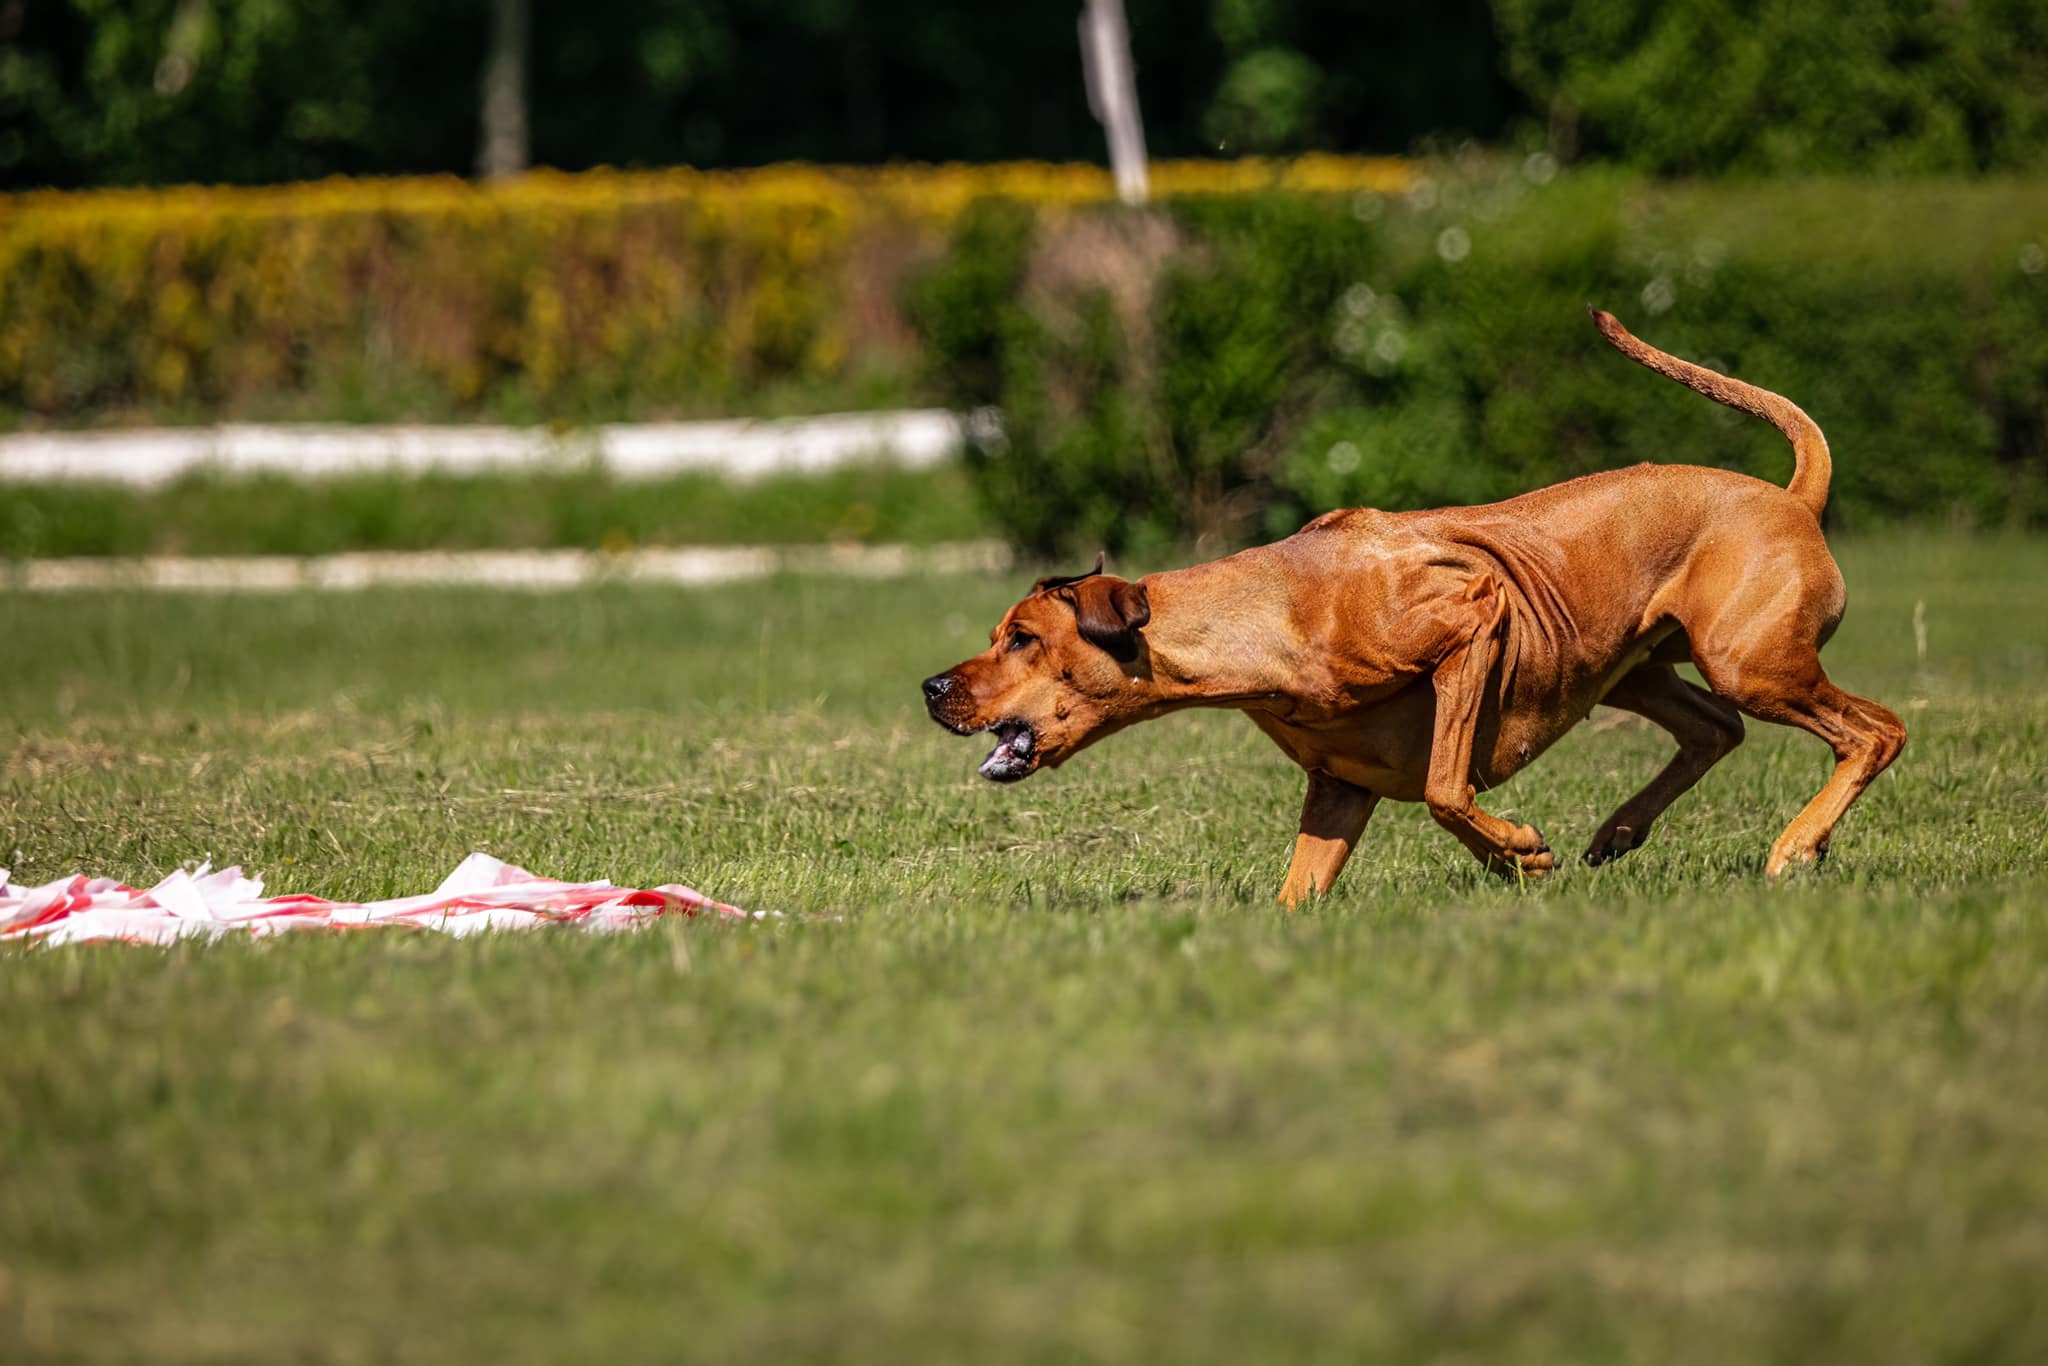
(1460, 681)
(1333, 816)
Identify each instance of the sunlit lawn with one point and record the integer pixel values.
(1030, 1073)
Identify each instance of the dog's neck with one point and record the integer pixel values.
(1206, 648)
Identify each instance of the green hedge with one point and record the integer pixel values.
(547, 297)
(1223, 367)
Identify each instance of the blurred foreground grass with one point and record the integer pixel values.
(1055, 1081)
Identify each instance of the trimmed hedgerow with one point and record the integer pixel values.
(574, 297)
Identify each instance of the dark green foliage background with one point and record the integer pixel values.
(244, 91)
(93, 93)
(1298, 353)
(1703, 86)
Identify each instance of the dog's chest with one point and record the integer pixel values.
(1383, 748)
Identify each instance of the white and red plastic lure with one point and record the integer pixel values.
(483, 893)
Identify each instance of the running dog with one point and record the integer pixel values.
(1428, 656)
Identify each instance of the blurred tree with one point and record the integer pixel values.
(1376, 76)
(1693, 86)
(1111, 79)
(1267, 102)
(504, 147)
(139, 91)
(149, 91)
(744, 82)
(740, 82)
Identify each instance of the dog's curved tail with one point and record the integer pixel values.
(1810, 463)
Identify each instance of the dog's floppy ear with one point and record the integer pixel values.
(1110, 613)
(1062, 580)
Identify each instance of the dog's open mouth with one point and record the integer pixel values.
(1015, 754)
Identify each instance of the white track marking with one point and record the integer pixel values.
(530, 570)
(742, 448)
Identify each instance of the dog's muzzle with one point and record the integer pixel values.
(1016, 751)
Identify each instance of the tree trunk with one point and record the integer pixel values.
(503, 150)
(1113, 94)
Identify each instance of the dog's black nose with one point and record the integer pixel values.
(937, 686)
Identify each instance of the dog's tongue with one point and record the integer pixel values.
(1009, 759)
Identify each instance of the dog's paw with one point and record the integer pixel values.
(1791, 858)
(1527, 856)
(1612, 842)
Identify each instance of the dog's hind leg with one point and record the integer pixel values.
(1706, 727)
(1864, 736)
(1776, 678)
(1462, 678)
(1333, 816)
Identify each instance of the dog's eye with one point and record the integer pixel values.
(1019, 639)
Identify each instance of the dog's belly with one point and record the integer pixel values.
(1544, 704)
(1399, 785)
(1385, 747)
(1507, 744)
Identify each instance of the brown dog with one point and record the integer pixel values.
(1423, 655)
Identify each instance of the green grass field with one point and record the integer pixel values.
(1024, 1074)
(572, 506)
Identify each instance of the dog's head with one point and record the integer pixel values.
(1064, 668)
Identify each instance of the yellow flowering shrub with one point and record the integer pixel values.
(553, 295)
